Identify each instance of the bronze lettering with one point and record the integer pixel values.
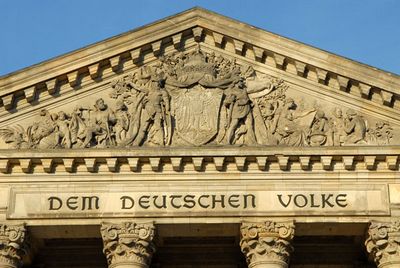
(325, 200)
(173, 197)
(296, 200)
(189, 201)
(89, 202)
(283, 203)
(200, 201)
(214, 200)
(252, 200)
(233, 201)
(72, 202)
(144, 201)
(313, 205)
(52, 204)
(163, 204)
(126, 199)
(341, 200)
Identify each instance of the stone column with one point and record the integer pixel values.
(13, 245)
(267, 244)
(383, 243)
(128, 245)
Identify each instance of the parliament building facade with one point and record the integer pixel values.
(199, 141)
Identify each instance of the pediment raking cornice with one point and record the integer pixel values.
(199, 25)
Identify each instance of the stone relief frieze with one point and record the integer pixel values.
(197, 99)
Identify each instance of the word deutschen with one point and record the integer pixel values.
(152, 202)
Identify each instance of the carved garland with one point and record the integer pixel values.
(267, 242)
(128, 243)
(383, 242)
(197, 99)
(13, 245)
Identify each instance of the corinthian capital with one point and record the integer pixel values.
(13, 245)
(383, 243)
(128, 244)
(267, 243)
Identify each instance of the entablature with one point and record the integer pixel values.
(262, 160)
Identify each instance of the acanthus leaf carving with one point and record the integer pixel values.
(128, 242)
(13, 245)
(196, 99)
(383, 242)
(268, 242)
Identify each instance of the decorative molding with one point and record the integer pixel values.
(267, 243)
(13, 245)
(128, 243)
(383, 243)
(208, 159)
(388, 97)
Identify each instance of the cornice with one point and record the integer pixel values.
(200, 25)
(204, 159)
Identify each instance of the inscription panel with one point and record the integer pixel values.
(96, 202)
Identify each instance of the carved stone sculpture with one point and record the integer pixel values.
(267, 244)
(354, 126)
(240, 119)
(197, 99)
(128, 244)
(13, 245)
(383, 243)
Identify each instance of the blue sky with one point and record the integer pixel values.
(367, 31)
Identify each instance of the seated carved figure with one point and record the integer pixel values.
(42, 134)
(287, 126)
(355, 127)
(319, 127)
(100, 125)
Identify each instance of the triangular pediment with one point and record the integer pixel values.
(198, 79)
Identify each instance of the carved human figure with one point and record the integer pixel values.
(240, 119)
(121, 122)
(286, 125)
(336, 133)
(63, 135)
(355, 128)
(77, 126)
(100, 124)
(154, 115)
(41, 134)
(383, 133)
(319, 127)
